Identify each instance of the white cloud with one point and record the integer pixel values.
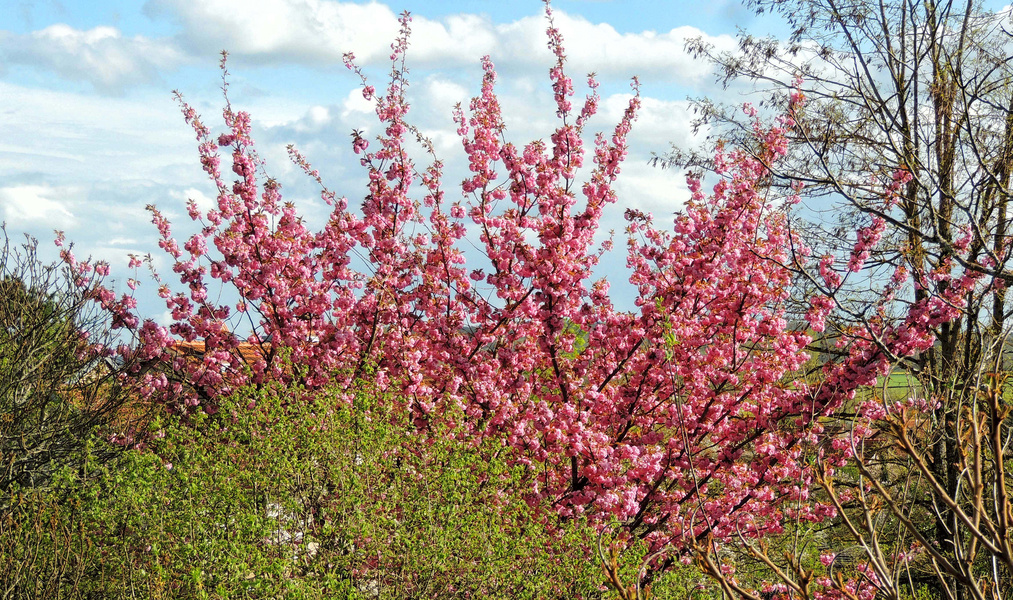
(101, 56)
(659, 122)
(319, 32)
(28, 205)
(445, 93)
(355, 105)
(598, 47)
(77, 138)
(460, 38)
(202, 200)
(120, 241)
(307, 31)
(319, 115)
(651, 190)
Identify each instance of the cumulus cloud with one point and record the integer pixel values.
(101, 56)
(27, 205)
(651, 190)
(203, 201)
(356, 105)
(319, 32)
(600, 48)
(659, 122)
(308, 31)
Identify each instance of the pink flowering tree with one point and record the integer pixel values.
(684, 421)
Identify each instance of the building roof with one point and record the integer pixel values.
(250, 353)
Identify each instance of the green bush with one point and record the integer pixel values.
(292, 499)
(274, 497)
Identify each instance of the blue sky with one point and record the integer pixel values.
(92, 135)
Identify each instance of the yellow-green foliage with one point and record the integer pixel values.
(293, 499)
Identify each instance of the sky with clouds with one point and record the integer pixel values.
(92, 134)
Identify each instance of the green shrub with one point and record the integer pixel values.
(275, 497)
(293, 499)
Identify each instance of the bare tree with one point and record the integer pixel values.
(924, 87)
(59, 381)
